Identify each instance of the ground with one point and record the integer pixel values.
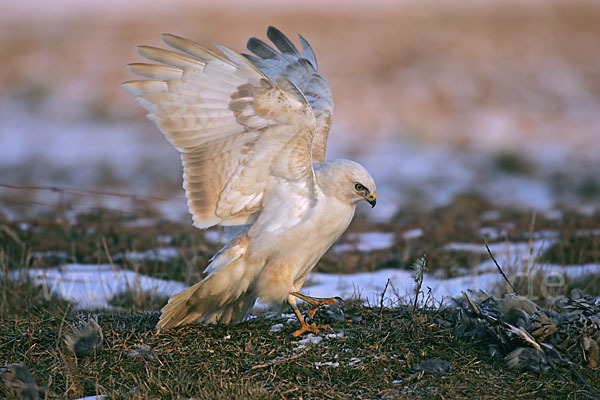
(371, 357)
(469, 115)
(368, 352)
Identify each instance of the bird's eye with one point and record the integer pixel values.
(359, 187)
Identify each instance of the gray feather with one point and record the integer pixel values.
(282, 42)
(253, 59)
(261, 49)
(308, 52)
(301, 70)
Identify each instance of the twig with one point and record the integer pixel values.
(498, 266)
(473, 306)
(381, 302)
(281, 361)
(382, 297)
(420, 265)
(62, 323)
(107, 253)
(10, 233)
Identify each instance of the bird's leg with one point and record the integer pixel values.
(315, 302)
(304, 327)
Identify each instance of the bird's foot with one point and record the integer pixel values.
(312, 328)
(315, 302)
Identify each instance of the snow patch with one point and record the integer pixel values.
(91, 286)
(412, 233)
(354, 361)
(338, 335)
(310, 339)
(370, 285)
(159, 254)
(326, 364)
(367, 241)
(99, 397)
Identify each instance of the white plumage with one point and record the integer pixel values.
(252, 132)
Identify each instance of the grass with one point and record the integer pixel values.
(375, 352)
(100, 236)
(574, 249)
(376, 356)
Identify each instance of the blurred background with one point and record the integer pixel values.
(436, 98)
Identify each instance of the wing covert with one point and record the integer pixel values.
(235, 128)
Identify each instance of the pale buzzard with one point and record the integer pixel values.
(252, 132)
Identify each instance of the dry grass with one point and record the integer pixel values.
(376, 356)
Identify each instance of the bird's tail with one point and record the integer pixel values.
(223, 296)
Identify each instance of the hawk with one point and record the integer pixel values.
(252, 132)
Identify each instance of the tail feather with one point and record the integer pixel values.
(223, 296)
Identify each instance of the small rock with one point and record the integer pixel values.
(86, 339)
(433, 366)
(335, 313)
(494, 350)
(18, 382)
(444, 323)
(143, 351)
(529, 359)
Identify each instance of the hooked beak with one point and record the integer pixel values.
(372, 199)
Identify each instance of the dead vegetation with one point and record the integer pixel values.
(368, 353)
(372, 354)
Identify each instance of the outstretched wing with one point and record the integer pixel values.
(302, 70)
(238, 130)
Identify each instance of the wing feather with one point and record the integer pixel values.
(261, 49)
(308, 52)
(238, 131)
(282, 42)
(302, 71)
(190, 47)
(154, 71)
(168, 57)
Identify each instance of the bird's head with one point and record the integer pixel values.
(350, 181)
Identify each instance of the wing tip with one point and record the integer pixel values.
(282, 42)
(131, 86)
(308, 52)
